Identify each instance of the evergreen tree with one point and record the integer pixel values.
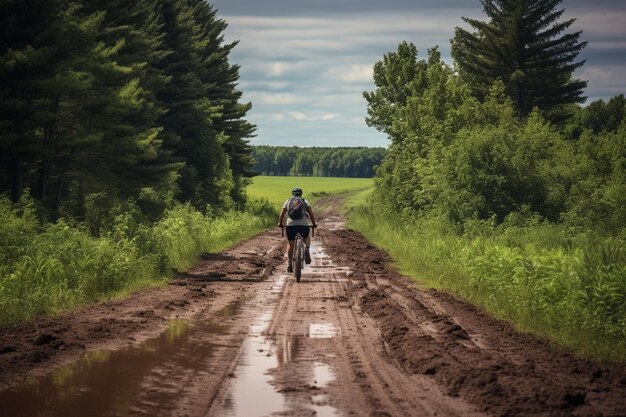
(220, 79)
(203, 125)
(131, 157)
(27, 56)
(523, 45)
(58, 64)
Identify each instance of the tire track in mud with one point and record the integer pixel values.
(469, 354)
(365, 381)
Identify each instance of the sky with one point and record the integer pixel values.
(305, 63)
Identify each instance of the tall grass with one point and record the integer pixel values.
(546, 279)
(48, 268)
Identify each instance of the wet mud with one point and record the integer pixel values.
(237, 336)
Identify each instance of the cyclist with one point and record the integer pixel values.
(298, 212)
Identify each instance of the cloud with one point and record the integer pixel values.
(263, 85)
(259, 97)
(305, 64)
(355, 73)
(605, 76)
(312, 117)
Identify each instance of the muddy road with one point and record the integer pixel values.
(237, 336)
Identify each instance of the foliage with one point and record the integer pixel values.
(542, 277)
(319, 162)
(110, 100)
(485, 193)
(48, 268)
(522, 45)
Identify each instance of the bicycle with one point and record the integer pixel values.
(297, 258)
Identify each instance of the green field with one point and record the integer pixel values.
(277, 189)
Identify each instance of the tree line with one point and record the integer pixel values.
(353, 162)
(501, 134)
(108, 100)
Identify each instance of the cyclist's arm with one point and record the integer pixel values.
(282, 217)
(311, 216)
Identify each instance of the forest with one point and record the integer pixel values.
(114, 100)
(499, 184)
(317, 161)
(124, 148)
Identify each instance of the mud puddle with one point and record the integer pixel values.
(107, 383)
(252, 389)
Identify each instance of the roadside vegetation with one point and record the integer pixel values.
(46, 268)
(508, 194)
(49, 267)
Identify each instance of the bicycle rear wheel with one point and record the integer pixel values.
(299, 255)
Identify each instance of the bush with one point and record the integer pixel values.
(549, 279)
(47, 269)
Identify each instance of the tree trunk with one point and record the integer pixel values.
(17, 179)
(57, 199)
(42, 181)
(48, 134)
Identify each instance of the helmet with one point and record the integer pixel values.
(296, 191)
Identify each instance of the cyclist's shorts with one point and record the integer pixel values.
(292, 230)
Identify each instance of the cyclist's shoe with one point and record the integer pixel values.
(307, 256)
(290, 268)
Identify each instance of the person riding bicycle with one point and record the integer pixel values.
(298, 212)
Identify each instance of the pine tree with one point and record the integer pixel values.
(131, 156)
(523, 45)
(220, 79)
(27, 31)
(77, 117)
(203, 125)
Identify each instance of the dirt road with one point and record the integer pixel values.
(237, 336)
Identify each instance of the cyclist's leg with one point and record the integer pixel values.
(307, 244)
(290, 250)
(291, 237)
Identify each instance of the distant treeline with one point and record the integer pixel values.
(359, 162)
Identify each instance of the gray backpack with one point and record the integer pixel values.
(295, 208)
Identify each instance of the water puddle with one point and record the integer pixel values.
(108, 383)
(322, 375)
(323, 267)
(322, 330)
(252, 390)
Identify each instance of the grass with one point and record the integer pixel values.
(50, 268)
(544, 279)
(278, 189)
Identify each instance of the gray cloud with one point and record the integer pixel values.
(305, 64)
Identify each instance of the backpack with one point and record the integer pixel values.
(295, 208)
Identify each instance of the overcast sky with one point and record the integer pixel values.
(305, 63)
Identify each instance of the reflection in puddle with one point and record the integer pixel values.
(322, 330)
(322, 375)
(109, 383)
(252, 393)
(321, 407)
